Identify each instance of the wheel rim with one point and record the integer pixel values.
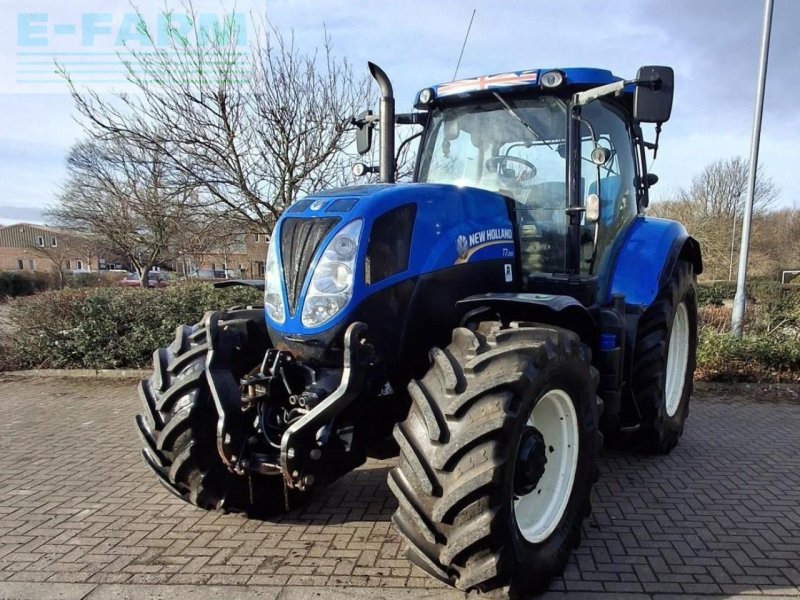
(539, 511)
(677, 359)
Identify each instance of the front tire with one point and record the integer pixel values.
(179, 419)
(489, 493)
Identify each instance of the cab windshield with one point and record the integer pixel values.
(486, 146)
(516, 148)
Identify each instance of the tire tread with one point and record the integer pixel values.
(455, 434)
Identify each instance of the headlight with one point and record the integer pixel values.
(273, 294)
(332, 282)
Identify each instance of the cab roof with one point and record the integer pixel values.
(575, 78)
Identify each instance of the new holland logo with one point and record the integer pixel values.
(467, 245)
(462, 246)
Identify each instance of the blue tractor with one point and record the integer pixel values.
(489, 322)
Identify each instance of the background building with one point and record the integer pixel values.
(237, 255)
(27, 247)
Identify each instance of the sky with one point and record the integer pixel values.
(711, 44)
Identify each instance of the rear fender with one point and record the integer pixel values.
(560, 311)
(647, 258)
(644, 265)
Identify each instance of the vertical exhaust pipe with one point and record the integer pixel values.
(387, 167)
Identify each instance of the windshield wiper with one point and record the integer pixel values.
(516, 115)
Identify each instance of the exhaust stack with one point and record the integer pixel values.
(387, 168)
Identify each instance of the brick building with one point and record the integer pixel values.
(28, 247)
(244, 256)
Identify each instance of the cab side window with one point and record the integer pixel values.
(613, 181)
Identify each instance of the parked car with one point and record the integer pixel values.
(154, 279)
(212, 274)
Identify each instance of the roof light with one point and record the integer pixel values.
(552, 79)
(425, 97)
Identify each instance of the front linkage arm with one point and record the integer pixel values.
(225, 342)
(312, 449)
(304, 443)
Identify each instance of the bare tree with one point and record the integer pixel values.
(775, 243)
(121, 195)
(253, 127)
(203, 234)
(720, 189)
(712, 207)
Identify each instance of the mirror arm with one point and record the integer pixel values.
(583, 98)
(414, 118)
(368, 120)
(653, 145)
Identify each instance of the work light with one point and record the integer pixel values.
(552, 79)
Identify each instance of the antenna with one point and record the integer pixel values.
(464, 45)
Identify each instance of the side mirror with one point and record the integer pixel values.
(652, 99)
(365, 123)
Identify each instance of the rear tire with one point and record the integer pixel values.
(664, 361)
(179, 419)
(457, 481)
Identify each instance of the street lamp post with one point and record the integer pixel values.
(737, 319)
(733, 241)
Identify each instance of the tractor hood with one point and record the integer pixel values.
(400, 232)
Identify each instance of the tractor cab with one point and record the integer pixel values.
(569, 158)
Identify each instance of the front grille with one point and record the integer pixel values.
(300, 239)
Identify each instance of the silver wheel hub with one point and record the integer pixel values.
(677, 360)
(539, 511)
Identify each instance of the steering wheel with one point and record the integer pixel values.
(496, 161)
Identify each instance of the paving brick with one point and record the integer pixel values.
(701, 588)
(717, 516)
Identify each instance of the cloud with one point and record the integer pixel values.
(19, 214)
(712, 45)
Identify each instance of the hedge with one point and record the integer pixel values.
(120, 327)
(15, 284)
(722, 357)
(106, 328)
(715, 293)
(23, 283)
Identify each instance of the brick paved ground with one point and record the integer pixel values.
(718, 516)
